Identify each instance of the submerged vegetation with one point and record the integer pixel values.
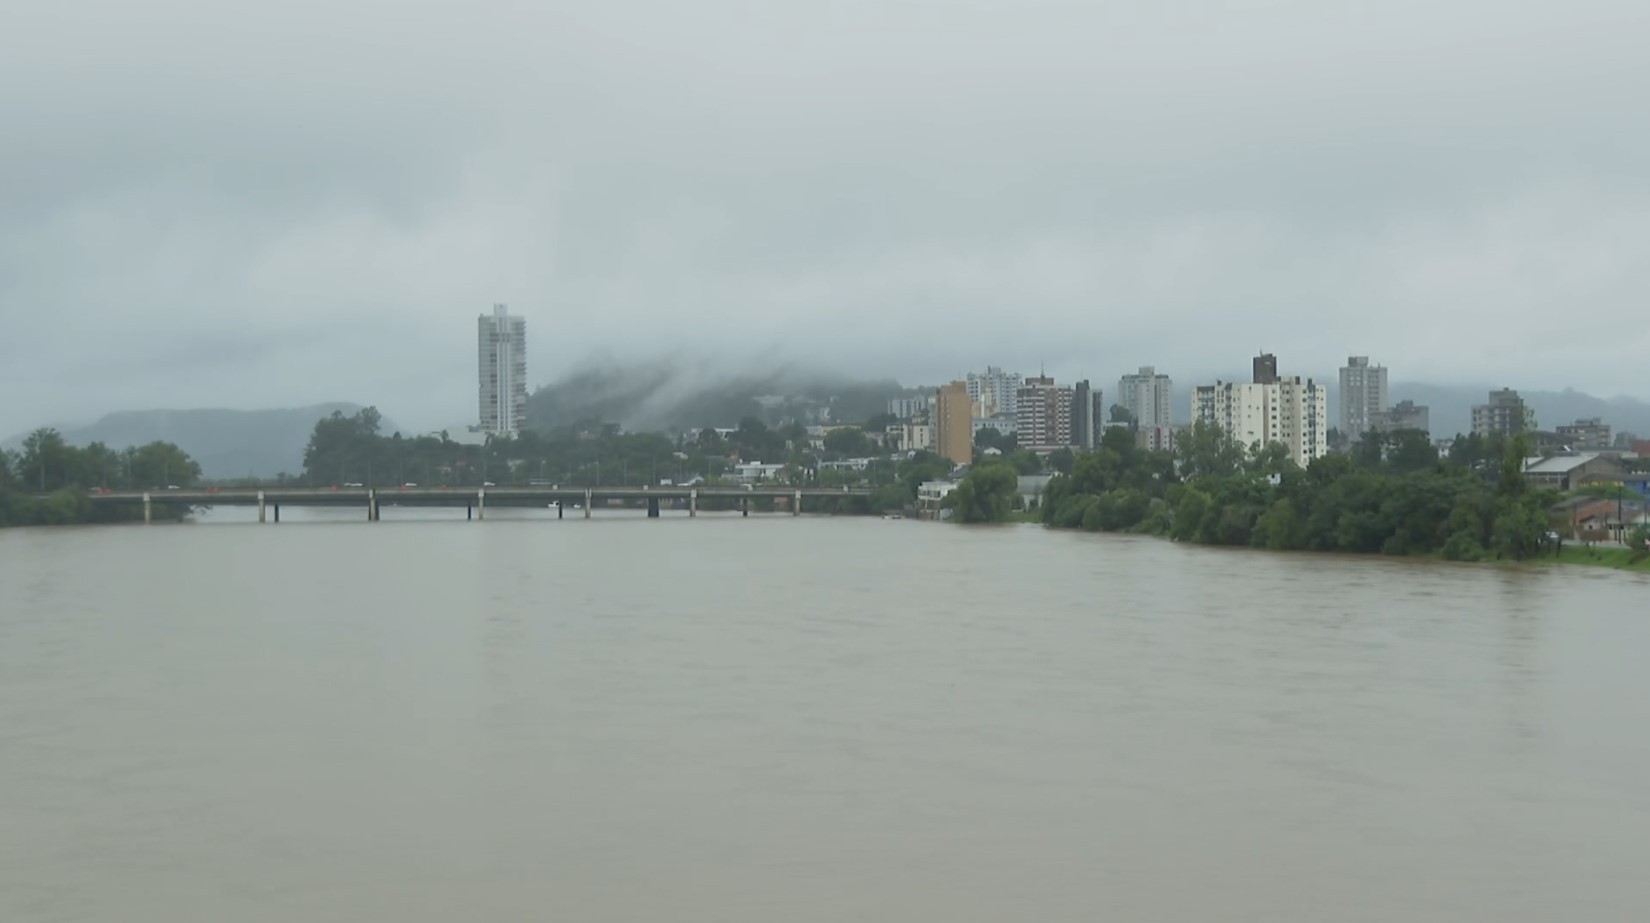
(48, 481)
(1393, 495)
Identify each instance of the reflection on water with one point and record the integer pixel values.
(816, 719)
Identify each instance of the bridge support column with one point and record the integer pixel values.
(260, 506)
(372, 506)
(693, 502)
(559, 507)
(481, 503)
(653, 507)
(148, 509)
(744, 506)
(469, 512)
(277, 512)
(796, 504)
(587, 504)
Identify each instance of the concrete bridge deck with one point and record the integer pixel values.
(474, 499)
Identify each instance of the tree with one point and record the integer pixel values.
(989, 437)
(1024, 461)
(1061, 460)
(43, 465)
(850, 442)
(1121, 414)
(1206, 451)
(986, 494)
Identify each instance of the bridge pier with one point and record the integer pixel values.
(653, 507)
(796, 504)
(277, 512)
(469, 512)
(744, 506)
(693, 502)
(372, 506)
(587, 504)
(481, 503)
(559, 507)
(260, 506)
(148, 510)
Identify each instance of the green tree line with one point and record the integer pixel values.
(1392, 494)
(47, 481)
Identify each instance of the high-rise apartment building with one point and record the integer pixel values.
(1042, 417)
(1402, 415)
(1088, 415)
(954, 423)
(1591, 433)
(1363, 395)
(910, 408)
(1286, 410)
(1148, 397)
(994, 392)
(1504, 415)
(1265, 369)
(501, 348)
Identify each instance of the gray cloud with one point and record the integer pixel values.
(311, 201)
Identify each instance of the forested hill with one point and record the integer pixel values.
(667, 396)
(226, 443)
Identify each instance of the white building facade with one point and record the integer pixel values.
(501, 359)
(1147, 395)
(1289, 411)
(1363, 395)
(994, 392)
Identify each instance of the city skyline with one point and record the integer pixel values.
(1107, 186)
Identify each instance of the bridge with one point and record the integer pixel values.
(474, 500)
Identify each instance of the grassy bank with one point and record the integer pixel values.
(1616, 558)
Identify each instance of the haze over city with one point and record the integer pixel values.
(272, 206)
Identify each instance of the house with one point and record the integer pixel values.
(751, 472)
(929, 496)
(1568, 472)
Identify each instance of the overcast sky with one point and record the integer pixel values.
(293, 202)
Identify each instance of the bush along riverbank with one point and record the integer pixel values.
(1393, 496)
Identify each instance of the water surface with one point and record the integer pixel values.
(810, 719)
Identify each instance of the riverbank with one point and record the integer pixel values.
(1614, 558)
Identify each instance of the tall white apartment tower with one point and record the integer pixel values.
(1148, 396)
(1363, 395)
(994, 392)
(1287, 411)
(501, 356)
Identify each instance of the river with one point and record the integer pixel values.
(815, 719)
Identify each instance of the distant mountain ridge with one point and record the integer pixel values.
(677, 396)
(1451, 407)
(226, 443)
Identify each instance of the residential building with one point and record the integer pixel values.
(1148, 396)
(911, 408)
(1402, 415)
(1285, 410)
(929, 496)
(953, 423)
(909, 437)
(994, 392)
(1581, 435)
(1504, 415)
(1004, 425)
(1265, 369)
(501, 360)
(1042, 417)
(750, 472)
(1363, 395)
(1155, 438)
(1088, 415)
(1568, 472)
